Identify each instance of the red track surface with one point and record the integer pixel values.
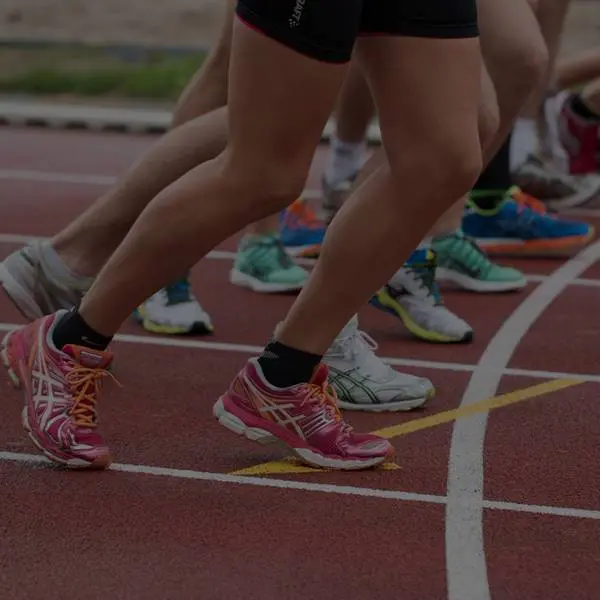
(170, 534)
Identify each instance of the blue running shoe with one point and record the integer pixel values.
(521, 226)
(301, 232)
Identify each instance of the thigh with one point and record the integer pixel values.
(424, 71)
(288, 61)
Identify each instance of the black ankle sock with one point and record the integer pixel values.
(495, 179)
(72, 329)
(579, 107)
(283, 366)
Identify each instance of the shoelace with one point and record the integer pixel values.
(424, 274)
(84, 385)
(304, 217)
(526, 202)
(178, 292)
(270, 250)
(362, 346)
(325, 395)
(469, 252)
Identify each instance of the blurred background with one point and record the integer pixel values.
(140, 50)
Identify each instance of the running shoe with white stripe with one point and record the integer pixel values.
(305, 417)
(363, 382)
(60, 389)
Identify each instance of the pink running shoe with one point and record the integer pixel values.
(305, 417)
(60, 389)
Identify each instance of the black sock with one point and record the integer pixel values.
(72, 329)
(284, 367)
(579, 107)
(495, 179)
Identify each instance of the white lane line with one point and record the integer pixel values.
(17, 238)
(174, 342)
(48, 177)
(465, 551)
(307, 486)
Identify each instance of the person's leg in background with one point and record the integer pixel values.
(70, 261)
(500, 218)
(541, 152)
(354, 112)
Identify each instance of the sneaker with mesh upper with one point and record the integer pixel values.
(60, 389)
(26, 280)
(363, 382)
(301, 231)
(414, 297)
(463, 263)
(521, 226)
(305, 417)
(263, 265)
(174, 310)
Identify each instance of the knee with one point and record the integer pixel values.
(267, 185)
(445, 165)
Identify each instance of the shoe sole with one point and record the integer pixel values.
(100, 463)
(561, 248)
(309, 457)
(198, 328)
(396, 406)
(241, 279)
(476, 285)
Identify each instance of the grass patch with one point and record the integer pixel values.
(93, 72)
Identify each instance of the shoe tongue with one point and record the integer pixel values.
(320, 374)
(88, 357)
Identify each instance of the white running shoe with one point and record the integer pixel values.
(363, 382)
(174, 310)
(414, 297)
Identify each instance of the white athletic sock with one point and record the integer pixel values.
(346, 159)
(524, 142)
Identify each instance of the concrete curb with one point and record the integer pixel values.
(31, 113)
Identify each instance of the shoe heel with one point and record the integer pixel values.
(236, 425)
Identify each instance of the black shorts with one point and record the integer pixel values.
(327, 29)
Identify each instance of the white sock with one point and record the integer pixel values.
(524, 142)
(346, 159)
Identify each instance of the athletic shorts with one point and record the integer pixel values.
(327, 29)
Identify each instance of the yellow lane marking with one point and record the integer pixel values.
(292, 465)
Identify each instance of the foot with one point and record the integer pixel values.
(462, 262)
(174, 310)
(34, 287)
(263, 265)
(301, 232)
(580, 139)
(414, 297)
(364, 382)
(521, 226)
(334, 195)
(60, 389)
(558, 191)
(304, 417)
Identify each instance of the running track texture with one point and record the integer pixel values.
(495, 490)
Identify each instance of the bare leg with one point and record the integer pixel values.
(333, 293)
(578, 70)
(199, 134)
(262, 171)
